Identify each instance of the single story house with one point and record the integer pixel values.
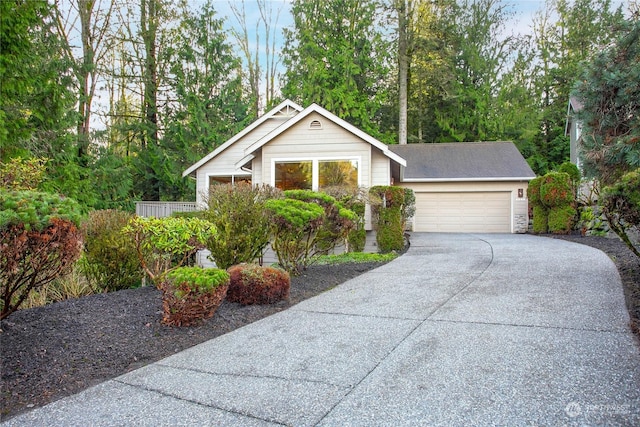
(459, 187)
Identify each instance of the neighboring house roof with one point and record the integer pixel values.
(279, 110)
(575, 106)
(314, 108)
(463, 161)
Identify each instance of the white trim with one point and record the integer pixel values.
(272, 113)
(244, 161)
(315, 169)
(314, 108)
(233, 178)
(506, 179)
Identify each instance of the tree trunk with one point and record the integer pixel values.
(403, 67)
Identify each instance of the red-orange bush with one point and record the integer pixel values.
(31, 258)
(253, 284)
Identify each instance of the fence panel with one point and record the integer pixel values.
(163, 209)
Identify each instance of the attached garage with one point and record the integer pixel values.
(466, 187)
(471, 212)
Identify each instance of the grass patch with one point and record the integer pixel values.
(355, 257)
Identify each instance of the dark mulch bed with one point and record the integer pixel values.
(54, 351)
(60, 349)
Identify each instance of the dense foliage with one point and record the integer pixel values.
(307, 224)
(39, 241)
(242, 228)
(553, 199)
(335, 56)
(163, 244)
(110, 259)
(609, 89)
(389, 205)
(34, 210)
(621, 206)
(117, 98)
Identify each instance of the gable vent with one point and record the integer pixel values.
(315, 125)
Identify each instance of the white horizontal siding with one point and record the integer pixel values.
(224, 163)
(331, 141)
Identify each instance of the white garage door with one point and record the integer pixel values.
(475, 212)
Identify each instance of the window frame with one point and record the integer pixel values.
(315, 167)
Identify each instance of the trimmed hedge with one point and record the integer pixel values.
(540, 219)
(561, 219)
(556, 190)
(388, 210)
(552, 197)
(254, 284)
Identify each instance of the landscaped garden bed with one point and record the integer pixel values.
(60, 349)
(53, 351)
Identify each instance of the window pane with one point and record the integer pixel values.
(338, 173)
(294, 175)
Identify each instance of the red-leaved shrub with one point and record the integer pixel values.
(31, 258)
(253, 284)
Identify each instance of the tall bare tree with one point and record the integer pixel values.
(92, 20)
(266, 25)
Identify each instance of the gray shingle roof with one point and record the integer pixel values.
(463, 160)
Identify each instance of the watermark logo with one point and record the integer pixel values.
(573, 409)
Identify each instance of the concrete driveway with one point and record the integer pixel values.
(462, 330)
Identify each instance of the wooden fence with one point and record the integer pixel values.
(163, 209)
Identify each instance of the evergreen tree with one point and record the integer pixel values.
(335, 57)
(609, 89)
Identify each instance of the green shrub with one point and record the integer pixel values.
(621, 206)
(197, 280)
(34, 210)
(387, 204)
(592, 221)
(39, 242)
(357, 237)
(574, 175)
(166, 243)
(354, 200)
(192, 294)
(242, 228)
(540, 219)
(533, 191)
(294, 226)
(336, 223)
(22, 174)
(390, 235)
(561, 219)
(556, 190)
(408, 208)
(253, 284)
(110, 259)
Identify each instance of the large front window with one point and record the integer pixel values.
(337, 173)
(316, 174)
(294, 175)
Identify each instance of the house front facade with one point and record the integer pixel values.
(291, 147)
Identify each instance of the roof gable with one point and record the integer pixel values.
(463, 161)
(329, 116)
(285, 109)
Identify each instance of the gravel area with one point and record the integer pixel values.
(60, 349)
